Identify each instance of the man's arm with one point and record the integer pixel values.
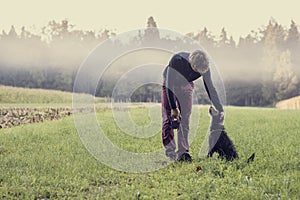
(211, 91)
(171, 76)
(175, 113)
(170, 87)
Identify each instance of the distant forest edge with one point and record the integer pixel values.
(258, 70)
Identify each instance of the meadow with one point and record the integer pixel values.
(48, 160)
(30, 97)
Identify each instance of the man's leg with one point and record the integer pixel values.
(167, 131)
(185, 101)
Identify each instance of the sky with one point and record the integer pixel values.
(239, 17)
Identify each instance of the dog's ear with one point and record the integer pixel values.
(209, 110)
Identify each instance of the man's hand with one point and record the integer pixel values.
(222, 117)
(175, 114)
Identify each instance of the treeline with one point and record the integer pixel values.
(258, 70)
(49, 59)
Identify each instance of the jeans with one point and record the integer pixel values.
(184, 101)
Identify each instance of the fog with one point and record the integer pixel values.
(53, 58)
(70, 53)
(32, 53)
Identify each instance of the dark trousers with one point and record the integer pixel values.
(184, 101)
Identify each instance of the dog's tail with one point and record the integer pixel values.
(251, 158)
(248, 161)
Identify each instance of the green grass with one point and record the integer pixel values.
(48, 160)
(12, 95)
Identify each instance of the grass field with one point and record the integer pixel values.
(48, 161)
(15, 95)
(27, 97)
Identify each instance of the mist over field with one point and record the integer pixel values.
(259, 69)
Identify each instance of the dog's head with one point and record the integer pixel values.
(217, 118)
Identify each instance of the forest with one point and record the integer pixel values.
(259, 69)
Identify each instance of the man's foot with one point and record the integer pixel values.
(185, 157)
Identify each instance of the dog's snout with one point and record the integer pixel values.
(212, 111)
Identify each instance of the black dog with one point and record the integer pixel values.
(218, 139)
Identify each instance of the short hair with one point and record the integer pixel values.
(198, 60)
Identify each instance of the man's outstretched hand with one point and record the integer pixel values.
(175, 114)
(220, 114)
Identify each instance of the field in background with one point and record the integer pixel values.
(15, 95)
(48, 160)
(289, 104)
(27, 97)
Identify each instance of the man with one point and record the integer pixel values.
(177, 93)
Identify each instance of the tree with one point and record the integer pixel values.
(12, 33)
(293, 44)
(56, 31)
(270, 60)
(24, 33)
(4, 34)
(249, 43)
(293, 36)
(275, 34)
(284, 79)
(205, 39)
(232, 42)
(151, 32)
(223, 38)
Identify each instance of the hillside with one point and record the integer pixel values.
(16, 95)
(289, 104)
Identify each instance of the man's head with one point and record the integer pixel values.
(199, 61)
